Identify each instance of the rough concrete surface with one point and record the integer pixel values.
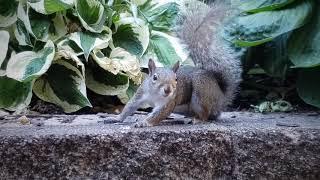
(241, 145)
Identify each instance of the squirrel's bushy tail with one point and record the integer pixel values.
(199, 29)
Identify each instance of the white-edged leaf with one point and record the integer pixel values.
(2, 72)
(89, 41)
(119, 61)
(69, 45)
(139, 2)
(254, 6)
(68, 49)
(38, 26)
(60, 26)
(4, 39)
(70, 55)
(50, 6)
(28, 65)
(23, 15)
(132, 34)
(164, 49)
(14, 95)
(63, 85)
(41, 27)
(134, 10)
(3, 67)
(8, 12)
(105, 83)
(92, 14)
(21, 33)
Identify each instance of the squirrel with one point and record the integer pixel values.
(205, 89)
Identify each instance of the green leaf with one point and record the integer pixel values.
(88, 41)
(254, 6)
(304, 44)
(8, 12)
(28, 65)
(127, 38)
(14, 95)
(63, 85)
(163, 17)
(4, 39)
(91, 14)
(255, 29)
(162, 50)
(308, 86)
(50, 6)
(105, 83)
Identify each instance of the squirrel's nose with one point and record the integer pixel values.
(167, 90)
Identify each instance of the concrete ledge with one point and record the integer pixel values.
(238, 146)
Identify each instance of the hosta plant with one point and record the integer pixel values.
(56, 49)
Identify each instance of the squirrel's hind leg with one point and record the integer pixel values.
(207, 98)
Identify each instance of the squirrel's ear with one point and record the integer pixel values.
(176, 66)
(151, 66)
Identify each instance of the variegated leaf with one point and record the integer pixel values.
(8, 12)
(28, 65)
(14, 95)
(50, 6)
(89, 41)
(105, 83)
(132, 34)
(164, 49)
(63, 85)
(92, 14)
(21, 33)
(4, 39)
(119, 61)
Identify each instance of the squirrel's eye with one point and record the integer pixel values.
(155, 77)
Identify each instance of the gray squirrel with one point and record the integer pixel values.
(206, 89)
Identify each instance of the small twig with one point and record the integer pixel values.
(287, 125)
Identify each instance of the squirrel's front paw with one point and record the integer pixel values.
(142, 123)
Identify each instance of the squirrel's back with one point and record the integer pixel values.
(200, 30)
